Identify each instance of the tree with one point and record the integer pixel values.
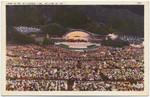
(48, 42)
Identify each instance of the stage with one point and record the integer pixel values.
(78, 45)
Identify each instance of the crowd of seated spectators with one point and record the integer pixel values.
(33, 64)
(107, 86)
(36, 85)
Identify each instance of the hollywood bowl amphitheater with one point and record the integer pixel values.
(78, 40)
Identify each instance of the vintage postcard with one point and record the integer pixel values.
(75, 48)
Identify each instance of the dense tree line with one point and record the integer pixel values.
(114, 43)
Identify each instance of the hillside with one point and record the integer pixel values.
(56, 20)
